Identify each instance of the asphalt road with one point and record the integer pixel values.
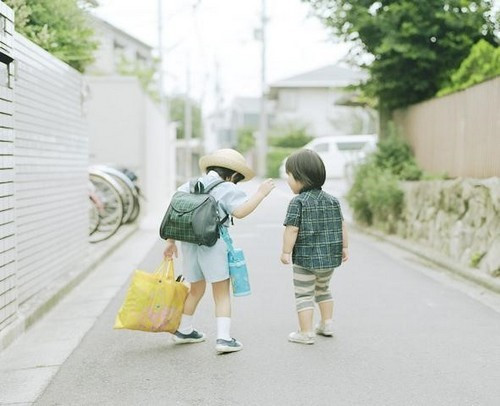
(402, 338)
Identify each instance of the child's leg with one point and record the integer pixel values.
(326, 310)
(304, 282)
(306, 320)
(222, 299)
(323, 295)
(193, 298)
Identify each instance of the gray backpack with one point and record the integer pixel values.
(193, 217)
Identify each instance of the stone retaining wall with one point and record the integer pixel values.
(459, 218)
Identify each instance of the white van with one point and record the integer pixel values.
(338, 152)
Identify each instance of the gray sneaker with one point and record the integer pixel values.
(232, 345)
(193, 337)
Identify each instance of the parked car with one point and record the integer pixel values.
(339, 152)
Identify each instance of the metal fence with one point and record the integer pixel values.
(457, 135)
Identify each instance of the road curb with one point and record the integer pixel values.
(33, 310)
(428, 254)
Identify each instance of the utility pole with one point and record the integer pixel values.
(188, 122)
(161, 57)
(262, 139)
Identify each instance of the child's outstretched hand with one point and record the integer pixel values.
(266, 187)
(285, 258)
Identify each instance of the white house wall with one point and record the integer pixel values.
(316, 108)
(51, 160)
(8, 287)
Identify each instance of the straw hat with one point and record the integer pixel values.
(227, 158)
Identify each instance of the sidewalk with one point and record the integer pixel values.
(29, 364)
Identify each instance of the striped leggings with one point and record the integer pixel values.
(310, 285)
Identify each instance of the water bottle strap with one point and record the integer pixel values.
(227, 239)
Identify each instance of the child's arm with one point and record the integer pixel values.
(289, 238)
(170, 249)
(345, 243)
(251, 204)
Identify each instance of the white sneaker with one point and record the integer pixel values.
(301, 338)
(325, 329)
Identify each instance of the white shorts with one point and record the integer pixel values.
(200, 262)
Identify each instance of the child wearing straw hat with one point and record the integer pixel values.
(202, 263)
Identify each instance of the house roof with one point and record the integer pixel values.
(327, 76)
(105, 24)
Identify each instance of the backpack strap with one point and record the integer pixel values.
(214, 185)
(196, 187)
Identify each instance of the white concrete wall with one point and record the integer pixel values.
(127, 128)
(117, 120)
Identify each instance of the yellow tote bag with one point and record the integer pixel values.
(154, 301)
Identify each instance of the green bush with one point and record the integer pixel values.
(483, 63)
(245, 139)
(274, 158)
(290, 135)
(394, 154)
(375, 197)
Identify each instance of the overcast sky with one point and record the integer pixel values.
(222, 32)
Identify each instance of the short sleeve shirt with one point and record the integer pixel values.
(318, 216)
(227, 194)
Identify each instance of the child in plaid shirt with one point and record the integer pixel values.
(316, 238)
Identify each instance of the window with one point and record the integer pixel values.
(321, 147)
(351, 145)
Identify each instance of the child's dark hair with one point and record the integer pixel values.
(225, 173)
(308, 168)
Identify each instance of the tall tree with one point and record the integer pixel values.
(61, 27)
(415, 45)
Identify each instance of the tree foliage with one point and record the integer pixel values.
(289, 135)
(176, 105)
(145, 73)
(245, 139)
(483, 63)
(61, 27)
(415, 45)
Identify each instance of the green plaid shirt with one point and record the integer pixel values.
(319, 219)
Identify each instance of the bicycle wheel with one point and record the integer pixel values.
(93, 217)
(135, 212)
(109, 194)
(129, 192)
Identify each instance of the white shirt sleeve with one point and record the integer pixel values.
(231, 197)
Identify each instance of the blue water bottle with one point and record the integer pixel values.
(237, 267)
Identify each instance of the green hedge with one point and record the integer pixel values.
(375, 196)
(274, 158)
